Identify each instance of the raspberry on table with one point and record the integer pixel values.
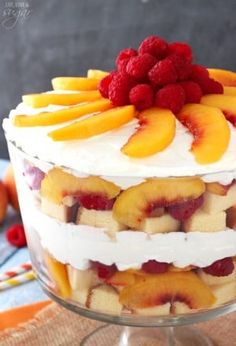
(182, 49)
(193, 92)
(211, 86)
(155, 267)
(141, 96)
(15, 234)
(139, 66)
(182, 66)
(126, 53)
(119, 89)
(163, 73)
(223, 267)
(155, 46)
(104, 83)
(171, 96)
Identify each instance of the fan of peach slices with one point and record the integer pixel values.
(207, 120)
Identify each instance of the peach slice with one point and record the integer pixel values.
(156, 132)
(57, 184)
(63, 115)
(3, 201)
(59, 275)
(75, 83)
(210, 129)
(217, 188)
(97, 74)
(137, 202)
(168, 287)
(124, 278)
(44, 99)
(226, 103)
(226, 78)
(231, 91)
(95, 125)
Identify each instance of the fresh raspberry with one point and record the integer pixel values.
(171, 96)
(141, 96)
(182, 66)
(183, 211)
(104, 84)
(138, 66)
(119, 89)
(104, 271)
(223, 267)
(193, 92)
(163, 73)
(121, 67)
(182, 49)
(155, 46)
(211, 86)
(199, 73)
(155, 267)
(96, 202)
(16, 235)
(124, 54)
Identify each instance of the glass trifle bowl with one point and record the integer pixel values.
(130, 214)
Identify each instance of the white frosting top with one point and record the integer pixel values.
(101, 155)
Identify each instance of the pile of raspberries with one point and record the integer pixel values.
(157, 74)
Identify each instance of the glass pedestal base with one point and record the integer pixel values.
(111, 335)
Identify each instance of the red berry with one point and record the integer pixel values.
(193, 92)
(182, 66)
(121, 66)
(211, 86)
(223, 267)
(155, 267)
(155, 46)
(171, 96)
(163, 73)
(96, 202)
(199, 73)
(139, 66)
(104, 84)
(125, 54)
(141, 96)
(16, 235)
(182, 49)
(119, 89)
(104, 271)
(183, 211)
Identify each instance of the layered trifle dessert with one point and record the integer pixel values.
(126, 181)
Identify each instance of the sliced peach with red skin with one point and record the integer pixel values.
(156, 132)
(97, 74)
(59, 275)
(226, 103)
(95, 125)
(225, 77)
(122, 278)
(75, 83)
(230, 91)
(63, 115)
(45, 99)
(137, 202)
(217, 188)
(210, 130)
(168, 287)
(58, 184)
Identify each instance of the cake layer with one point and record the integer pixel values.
(101, 155)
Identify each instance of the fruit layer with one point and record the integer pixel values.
(107, 158)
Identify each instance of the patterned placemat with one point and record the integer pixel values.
(55, 326)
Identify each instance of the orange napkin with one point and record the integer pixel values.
(11, 318)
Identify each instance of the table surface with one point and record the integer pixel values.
(10, 257)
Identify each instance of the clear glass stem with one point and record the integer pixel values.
(170, 331)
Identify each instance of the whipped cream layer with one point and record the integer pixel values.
(101, 155)
(77, 244)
